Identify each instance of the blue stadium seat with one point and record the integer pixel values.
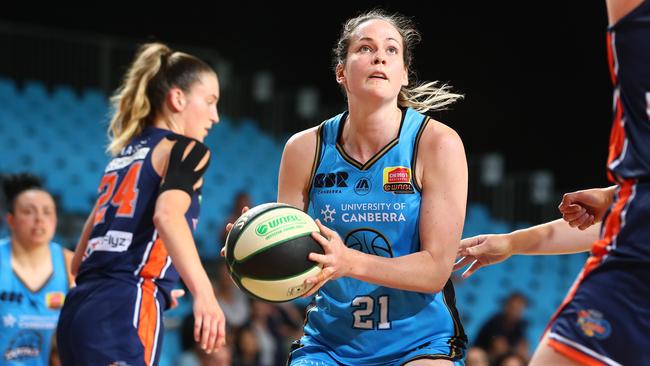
(8, 90)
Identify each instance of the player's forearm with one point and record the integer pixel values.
(82, 244)
(175, 233)
(555, 237)
(418, 272)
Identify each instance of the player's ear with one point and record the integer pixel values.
(340, 74)
(176, 99)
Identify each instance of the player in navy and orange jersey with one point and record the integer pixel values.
(605, 318)
(140, 231)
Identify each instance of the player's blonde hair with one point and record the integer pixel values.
(419, 96)
(154, 71)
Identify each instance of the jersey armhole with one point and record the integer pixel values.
(416, 146)
(317, 155)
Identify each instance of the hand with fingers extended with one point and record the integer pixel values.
(228, 228)
(582, 209)
(209, 322)
(482, 250)
(335, 261)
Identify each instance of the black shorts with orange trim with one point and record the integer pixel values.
(605, 319)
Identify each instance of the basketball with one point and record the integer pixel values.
(267, 252)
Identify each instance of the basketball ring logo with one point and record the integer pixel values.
(370, 242)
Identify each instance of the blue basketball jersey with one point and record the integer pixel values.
(375, 208)
(29, 317)
(629, 57)
(124, 243)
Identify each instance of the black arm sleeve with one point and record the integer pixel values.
(181, 173)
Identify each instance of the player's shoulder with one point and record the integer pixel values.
(303, 141)
(438, 136)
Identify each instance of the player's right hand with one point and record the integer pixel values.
(209, 322)
(482, 250)
(228, 228)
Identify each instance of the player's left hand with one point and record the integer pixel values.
(334, 261)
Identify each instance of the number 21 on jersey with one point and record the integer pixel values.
(367, 315)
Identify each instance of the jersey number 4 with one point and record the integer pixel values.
(124, 198)
(364, 318)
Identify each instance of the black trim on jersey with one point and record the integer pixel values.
(45, 283)
(317, 154)
(416, 184)
(457, 343)
(181, 173)
(295, 345)
(435, 356)
(375, 157)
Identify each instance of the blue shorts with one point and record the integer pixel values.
(110, 321)
(605, 319)
(316, 355)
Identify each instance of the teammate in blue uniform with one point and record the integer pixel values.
(605, 318)
(390, 184)
(140, 232)
(34, 274)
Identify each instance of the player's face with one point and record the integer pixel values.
(375, 61)
(34, 219)
(200, 112)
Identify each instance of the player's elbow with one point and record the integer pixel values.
(433, 284)
(163, 218)
(437, 279)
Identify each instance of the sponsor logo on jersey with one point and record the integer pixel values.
(328, 214)
(369, 241)
(8, 320)
(11, 296)
(25, 345)
(54, 300)
(113, 241)
(593, 324)
(363, 186)
(372, 212)
(397, 179)
(328, 183)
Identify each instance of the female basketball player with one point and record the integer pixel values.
(34, 273)
(391, 186)
(605, 318)
(140, 231)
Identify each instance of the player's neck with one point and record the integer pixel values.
(31, 262)
(368, 130)
(27, 254)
